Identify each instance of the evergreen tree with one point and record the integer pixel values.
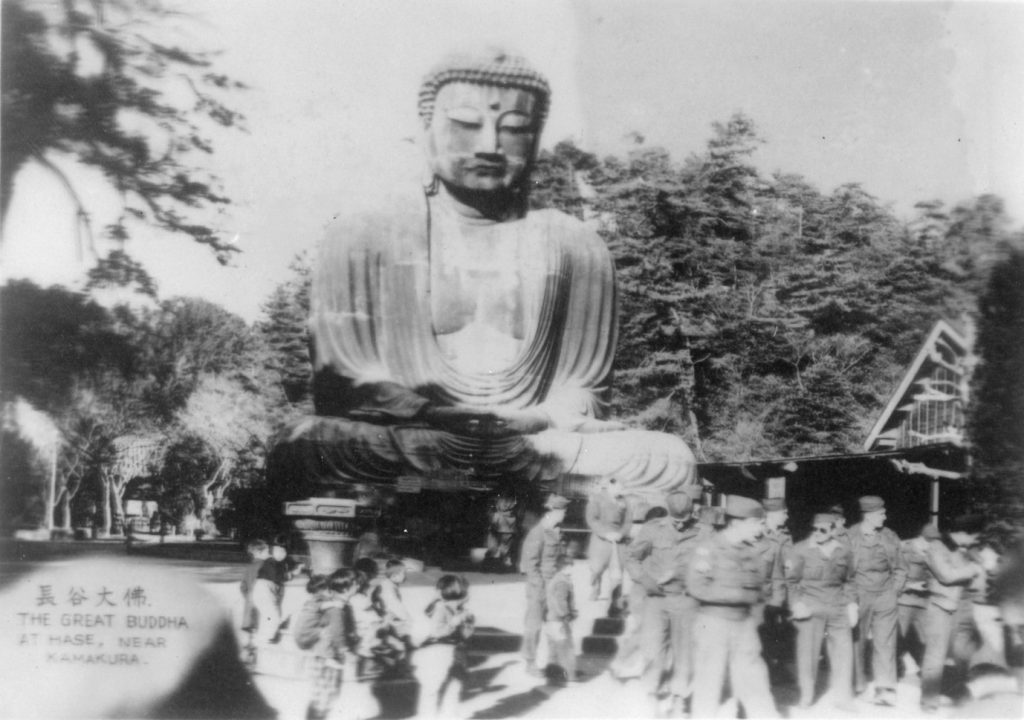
(996, 411)
(286, 335)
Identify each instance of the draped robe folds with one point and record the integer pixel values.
(385, 286)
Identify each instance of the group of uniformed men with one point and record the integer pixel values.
(716, 590)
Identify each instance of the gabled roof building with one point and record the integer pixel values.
(928, 406)
(915, 454)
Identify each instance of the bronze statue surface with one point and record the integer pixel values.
(455, 332)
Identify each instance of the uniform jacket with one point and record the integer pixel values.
(877, 560)
(725, 578)
(606, 514)
(561, 605)
(775, 548)
(952, 572)
(659, 556)
(917, 571)
(818, 581)
(541, 549)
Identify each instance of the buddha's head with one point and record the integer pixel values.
(482, 116)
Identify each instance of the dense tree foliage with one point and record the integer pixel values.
(115, 87)
(186, 376)
(997, 403)
(761, 317)
(284, 330)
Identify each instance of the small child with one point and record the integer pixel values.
(441, 663)
(561, 611)
(258, 552)
(325, 628)
(369, 622)
(267, 593)
(278, 569)
(388, 597)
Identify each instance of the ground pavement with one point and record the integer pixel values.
(498, 685)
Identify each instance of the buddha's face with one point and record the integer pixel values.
(482, 137)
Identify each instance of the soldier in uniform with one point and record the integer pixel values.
(913, 601)
(842, 534)
(608, 517)
(775, 547)
(657, 559)
(725, 577)
(542, 548)
(823, 602)
(949, 619)
(879, 574)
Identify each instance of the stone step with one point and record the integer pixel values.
(493, 640)
(603, 645)
(608, 626)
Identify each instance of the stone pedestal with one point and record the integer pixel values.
(331, 528)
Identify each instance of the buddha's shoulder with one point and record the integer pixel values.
(574, 234)
(368, 222)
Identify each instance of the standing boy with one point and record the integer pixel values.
(561, 611)
(542, 548)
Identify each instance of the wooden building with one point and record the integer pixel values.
(914, 456)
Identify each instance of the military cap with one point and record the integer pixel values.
(972, 523)
(824, 517)
(774, 504)
(679, 505)
(871, 503)
(696, 492)
(738, 506)
(556, 502)
(837, 509)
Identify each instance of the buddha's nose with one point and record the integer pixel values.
(487, 140)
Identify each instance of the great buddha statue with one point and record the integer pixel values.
(457, 333)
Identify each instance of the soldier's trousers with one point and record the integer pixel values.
(726, 647)
(599, 557)
(910, 620)
(947, 633)
(666, 640)
(536, 604)
(826, 624)
(877, 619)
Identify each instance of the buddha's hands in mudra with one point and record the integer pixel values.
(486, 422)
(499, 422)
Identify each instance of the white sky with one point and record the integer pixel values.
(914, 100)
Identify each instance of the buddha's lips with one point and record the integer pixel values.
(486, 168)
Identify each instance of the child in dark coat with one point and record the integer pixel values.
(441, 664)
(325, 627)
